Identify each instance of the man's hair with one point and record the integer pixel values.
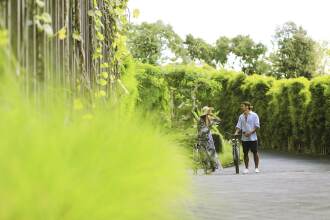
(248, 104)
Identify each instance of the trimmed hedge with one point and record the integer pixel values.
(319, 115)
(294, 113)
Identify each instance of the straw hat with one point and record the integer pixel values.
(205, 110)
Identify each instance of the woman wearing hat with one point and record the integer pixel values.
(205, 140)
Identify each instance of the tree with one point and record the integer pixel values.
(249, 52)
(147, 42)
(295, 53)
(198, 49)
(221, 51)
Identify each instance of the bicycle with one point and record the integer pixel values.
(201, 159)
(235, 150)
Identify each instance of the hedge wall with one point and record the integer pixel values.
(294, 113)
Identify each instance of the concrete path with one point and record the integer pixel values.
(288, 187)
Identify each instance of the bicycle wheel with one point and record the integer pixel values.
(236, 158)
(205, 161)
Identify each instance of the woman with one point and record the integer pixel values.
(206, 120)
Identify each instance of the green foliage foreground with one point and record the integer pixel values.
(102, 165)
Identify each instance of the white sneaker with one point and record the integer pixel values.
(257, 170)
(246, 171)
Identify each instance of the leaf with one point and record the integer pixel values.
(76, 35)
(97, 56)
(102, 82)
(98, 24)
(48, 30)
(112, 78)
(100, 36)
(40, 3)
(62, 33)
(91, 13)
(98, 13)
(104, 65)
(100, 93)
(77, 104)
(39, 25)
(98, 50)
(136, 13)
(105, 75)
(37, 17)
(95, 3)
(46, 18)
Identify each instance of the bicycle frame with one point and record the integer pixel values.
(235, 151)
(201, 159)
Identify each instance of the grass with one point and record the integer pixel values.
(226, 156)
(59, 163)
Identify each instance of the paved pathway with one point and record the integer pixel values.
(288, 187)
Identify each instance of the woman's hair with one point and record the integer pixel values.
(205, 119)
(203, 116)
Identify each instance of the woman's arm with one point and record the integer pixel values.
(214, 120)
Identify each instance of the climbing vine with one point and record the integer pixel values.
(77, 43)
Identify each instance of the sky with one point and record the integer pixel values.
(210, 19)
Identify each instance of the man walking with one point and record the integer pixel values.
(248, 123)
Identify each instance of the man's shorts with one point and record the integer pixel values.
(250, 145)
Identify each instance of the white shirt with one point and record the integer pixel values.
(247, 124)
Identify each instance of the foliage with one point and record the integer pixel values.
(249, 52)
(293, 112)
(63, 160)
(198, 49)
(222, 49)
(153, 93)
(148, 41)
(79, 48)
(296, 52)
(319, 119)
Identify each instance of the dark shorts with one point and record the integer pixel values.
(250, 145)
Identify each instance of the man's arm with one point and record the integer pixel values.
(238, 126)
(247, 134)
(237, 131)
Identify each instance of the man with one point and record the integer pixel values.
(248, 123)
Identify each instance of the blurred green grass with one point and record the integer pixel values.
(61, 164)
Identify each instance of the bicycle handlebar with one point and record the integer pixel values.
(233, 135)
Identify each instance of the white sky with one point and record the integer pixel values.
(210, 19)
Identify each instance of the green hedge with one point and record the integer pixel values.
(286, 128)
(294, 113)
(153, 92)
(174, 91)
(319, 116)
